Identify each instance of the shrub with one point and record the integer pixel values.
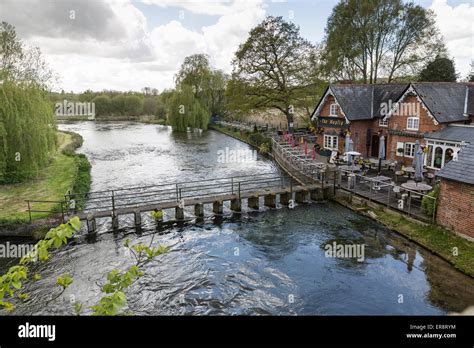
(427, 203)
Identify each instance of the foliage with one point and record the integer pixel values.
(21, 63)
(367, 40)
(275, 68)
(27, 131)
(440, 69)
(157, 215)
(428, 201)
(12, 282)
(185, 110)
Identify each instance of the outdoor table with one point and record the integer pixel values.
(420, 187)
(352, 168)
(379, 181)
(411, 170)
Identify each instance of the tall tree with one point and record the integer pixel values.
(441, 69)
(274, 68)
(367, 40)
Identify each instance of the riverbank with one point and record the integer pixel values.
(142, 119)
(458, 251)
(67, 171)
(254, 139)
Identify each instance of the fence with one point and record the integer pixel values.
(386, 192)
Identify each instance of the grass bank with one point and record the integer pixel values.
(456, 250)
(67, 171)
(255, 139)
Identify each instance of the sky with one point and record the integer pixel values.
(130, 44)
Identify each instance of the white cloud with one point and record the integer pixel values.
(107, 44)
(456, 24)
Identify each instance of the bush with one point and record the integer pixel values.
(257, 139)
(428, 204)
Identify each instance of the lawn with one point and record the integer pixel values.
(51, 184)
(458, 251)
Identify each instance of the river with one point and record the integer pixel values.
(269, 262)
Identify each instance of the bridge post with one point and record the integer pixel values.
(236, 204)
(285, 198)
(199, 210)
(317, 194)
(218, 207)
(179, 213)
(115, 221)
(253, 202)
(137, 218)
(91, 224)
(270, 200)
(301, 196)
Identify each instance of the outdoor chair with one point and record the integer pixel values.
(398, 173)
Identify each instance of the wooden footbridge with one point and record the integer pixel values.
(274, 188)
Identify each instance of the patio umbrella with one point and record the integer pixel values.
(381, 152)
(418, 162)
(348, 147)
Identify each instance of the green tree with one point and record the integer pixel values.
(103, 105)
(185, 110)
(440, 69)
(369, 39)
(150, 106)
(274, 68)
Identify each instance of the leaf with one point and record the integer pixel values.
(75, 222)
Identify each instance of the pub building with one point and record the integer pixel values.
(402, 114)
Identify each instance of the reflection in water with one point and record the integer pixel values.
(249, 263)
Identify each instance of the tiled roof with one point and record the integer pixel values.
(362, 102)
(454, 133)
(445, 100)
(461, 170)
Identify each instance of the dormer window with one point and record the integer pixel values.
(413, 123)
(333, 109)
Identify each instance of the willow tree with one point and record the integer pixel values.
(274, 68)
(27, 122)
(185, 110)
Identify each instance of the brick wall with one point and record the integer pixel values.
(456, 207)
(399, 123)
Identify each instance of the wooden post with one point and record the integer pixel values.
(236, 204)
(301, 196)
(253, 202)
(137, 217)
(115, 221)
(317, 195)
(285, 198)
(199, 210)
(91, 224)
(179, 213)
(217, 207)
(270, 200)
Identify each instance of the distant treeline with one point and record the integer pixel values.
(114, 103)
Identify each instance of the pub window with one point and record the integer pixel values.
(410, 149)
(333, 109)
(448, 156)
(330, 142)
(413, 123)
(383, 122)
(438, 157)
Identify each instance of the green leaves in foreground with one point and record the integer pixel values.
(110, 305)
(64, 281)
(13, 281)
